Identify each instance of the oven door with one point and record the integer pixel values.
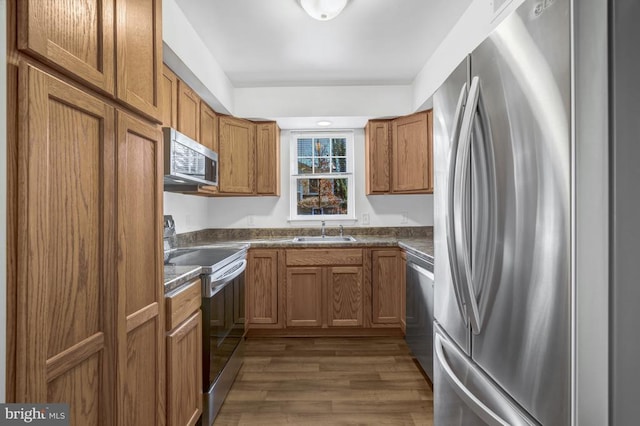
(223, 328)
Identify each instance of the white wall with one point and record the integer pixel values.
(470, 30)
(345, 101)
(273, 212)
(190, 212)
(3, 195)
(188, 56)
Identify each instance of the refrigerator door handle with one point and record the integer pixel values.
(476, 390)
(461, 217)
(451, 189)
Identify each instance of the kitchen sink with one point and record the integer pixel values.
(324, 239)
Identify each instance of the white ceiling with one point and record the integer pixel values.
(262, 43)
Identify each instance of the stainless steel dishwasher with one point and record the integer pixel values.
(419, 313)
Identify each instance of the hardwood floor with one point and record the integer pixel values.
(328, 381)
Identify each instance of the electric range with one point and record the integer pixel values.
(222, 309)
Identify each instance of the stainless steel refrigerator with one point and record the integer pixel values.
(502, 231)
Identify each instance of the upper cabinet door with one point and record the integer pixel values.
(74, 36)
(237, 155)
(169, 87)
(188, 111)
(267, 159)
(139, 54)
(208, 127)
(411, 145)
(378, 161)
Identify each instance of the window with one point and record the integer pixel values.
(322, 176)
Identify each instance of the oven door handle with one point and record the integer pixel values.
(228, 274)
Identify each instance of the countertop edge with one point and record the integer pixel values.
(178, 276)
(415, 251)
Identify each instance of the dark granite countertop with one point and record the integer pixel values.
(176, 276)
(420, 247)
(418, 240)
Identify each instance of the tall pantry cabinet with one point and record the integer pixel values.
(84, 295)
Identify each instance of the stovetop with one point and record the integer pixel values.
(210, 258)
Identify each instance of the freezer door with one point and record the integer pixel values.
(448, 108)
(465, 396)
(522, 126)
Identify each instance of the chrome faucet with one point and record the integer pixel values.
(322, 230)
(341, 230)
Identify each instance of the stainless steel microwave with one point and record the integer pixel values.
(186, 162)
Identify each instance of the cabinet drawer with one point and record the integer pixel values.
(313, 257)
(180, 305)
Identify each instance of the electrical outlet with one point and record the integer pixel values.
(250, 221)
(405, 217)
(365, 218)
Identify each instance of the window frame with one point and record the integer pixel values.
(294, 176)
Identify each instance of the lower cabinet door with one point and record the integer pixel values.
(262, 290)
(304, 297)
(184, 372)
(344, 297)
(386, 287)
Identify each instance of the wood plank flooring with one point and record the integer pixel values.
(328, 381)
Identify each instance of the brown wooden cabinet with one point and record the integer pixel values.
(188, 111)
(184, 375)
(386, 287)
(328, 292)
(305, 301)
(139, 271)
(208, 127)
(169, 88)
(378, 157)
(411, 153)
(184, 355)
(78, 40)
(139, 54)
(114, 46)
(89, 317)
(345, 295)
(399, 155)
(267, 159)
(263, 289)
(325, 288)
(236, 156)
(68, 313)
(248, 153)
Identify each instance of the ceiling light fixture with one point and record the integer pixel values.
(323, 10)
(324, 123)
